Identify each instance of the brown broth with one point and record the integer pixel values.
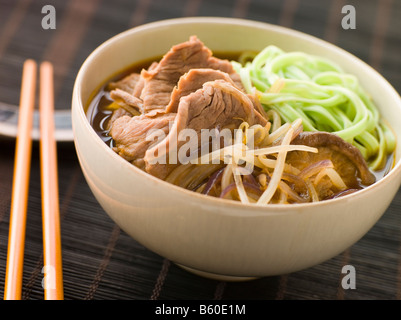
(97, 112)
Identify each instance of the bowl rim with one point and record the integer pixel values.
(394, 172)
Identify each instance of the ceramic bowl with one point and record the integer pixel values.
(223, 239)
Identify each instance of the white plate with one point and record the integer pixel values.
(9, 123)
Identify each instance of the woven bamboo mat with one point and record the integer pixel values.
(99, 260)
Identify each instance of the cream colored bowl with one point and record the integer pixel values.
(217, 238)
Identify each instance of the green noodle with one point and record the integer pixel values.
(321, 94)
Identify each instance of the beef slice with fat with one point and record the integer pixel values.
(218, 104)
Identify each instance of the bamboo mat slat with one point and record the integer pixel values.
(100, 261)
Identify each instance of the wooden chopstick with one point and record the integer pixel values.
(19, 196)
(53, 283)
(53, 279)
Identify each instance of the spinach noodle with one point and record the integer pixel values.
(299, 85)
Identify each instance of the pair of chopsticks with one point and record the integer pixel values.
(53, 282)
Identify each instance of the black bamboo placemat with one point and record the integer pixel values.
(99, 260)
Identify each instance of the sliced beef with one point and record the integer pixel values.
(130, 135)
(155, 88)
(218, 104)
(347, 159)
(160, 82)
(192, 81)
(117, 114)
(127, 101)
(127, 91)
(126, 84)
(132, 83)
(141, 83)
(188, 87)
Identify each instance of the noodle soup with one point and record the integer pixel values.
(300, 129)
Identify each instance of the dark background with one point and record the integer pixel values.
(99, 260)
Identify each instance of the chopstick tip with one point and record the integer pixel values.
(46, 64)
(30, 64)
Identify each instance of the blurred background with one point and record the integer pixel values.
(82, 25)
(100, 261)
